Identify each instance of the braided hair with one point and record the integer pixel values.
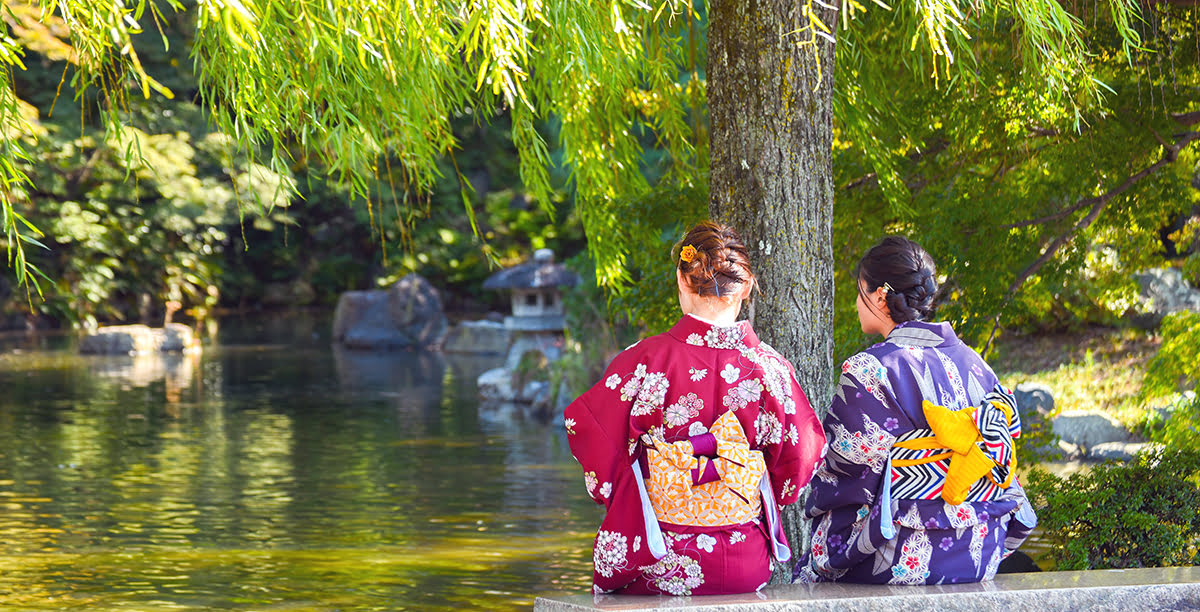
(719, 262)
(907, 270)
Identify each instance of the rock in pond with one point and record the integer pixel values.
(406, 316)
(139, 339)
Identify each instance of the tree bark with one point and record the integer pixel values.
(770, 147)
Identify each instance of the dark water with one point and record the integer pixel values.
(274, 473)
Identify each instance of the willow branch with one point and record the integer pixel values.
(1098, 204)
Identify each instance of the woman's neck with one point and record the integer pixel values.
(722, 317)
(888, 326)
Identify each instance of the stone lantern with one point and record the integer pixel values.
(536, 292)
(535, 326)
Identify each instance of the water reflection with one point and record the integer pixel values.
(276, 472)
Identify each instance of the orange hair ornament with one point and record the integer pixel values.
(688, 253)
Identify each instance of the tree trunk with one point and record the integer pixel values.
(770, 147)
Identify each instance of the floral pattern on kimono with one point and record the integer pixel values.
(876, 522)
(671, 389)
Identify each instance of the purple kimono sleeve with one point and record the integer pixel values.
(844, 503)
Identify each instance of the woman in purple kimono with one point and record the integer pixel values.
(693, 440)
(918, 486)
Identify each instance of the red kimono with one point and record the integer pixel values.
(692, 442)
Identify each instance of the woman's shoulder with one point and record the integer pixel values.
(642, 349)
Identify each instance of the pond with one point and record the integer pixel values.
(273, 472)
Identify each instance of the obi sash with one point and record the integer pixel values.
(965, 455)
(707, 480)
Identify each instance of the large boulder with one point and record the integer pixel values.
(139, 339)
(406, 316)
(1163, 291)
(1089, 429)
(1034, 401)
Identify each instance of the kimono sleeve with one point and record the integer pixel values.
(844, 504)
(790, 436)
(597, 424)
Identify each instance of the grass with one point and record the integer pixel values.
(1100, 369)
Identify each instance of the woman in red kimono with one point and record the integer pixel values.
(694, 439)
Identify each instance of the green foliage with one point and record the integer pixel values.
(132, 213)
(1175, 425)
(595, 333)
(344, 86)
(1139, 514)
(989, 174)
(1175, 366)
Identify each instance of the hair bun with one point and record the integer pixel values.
(721, 263)
(908, 270)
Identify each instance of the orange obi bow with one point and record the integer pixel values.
(706, 480)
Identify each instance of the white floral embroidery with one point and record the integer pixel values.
(730, 373)
(787, 489)
(569, 423)
(695, 339)
(745, 392)
(637, 543)
(590, 481)
(792, 435)
(768, 429)
(736, 537)
(697, 429)
(683, 410)
(868, 447)
(632, 446)
(612, 381)
(725, 337)
(630, 390)
(960, 516)
(640, 371)
(609, 553)
(606, 490)
(705, 542)
(652, 395)
(675, 415)
(776, 374)
(820, 543)
(676, 574)
(698, 375)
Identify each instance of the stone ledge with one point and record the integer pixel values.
(1169, 588)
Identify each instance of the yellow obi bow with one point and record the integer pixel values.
(960, 433)
(706, 480)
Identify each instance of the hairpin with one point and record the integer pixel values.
(889, 288)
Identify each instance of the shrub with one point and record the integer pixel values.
(1175, 365)
(1176, 426)
(1143, 513)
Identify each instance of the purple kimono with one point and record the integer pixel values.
(881, 504)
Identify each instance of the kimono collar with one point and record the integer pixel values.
(693, 331)
(922, 334)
